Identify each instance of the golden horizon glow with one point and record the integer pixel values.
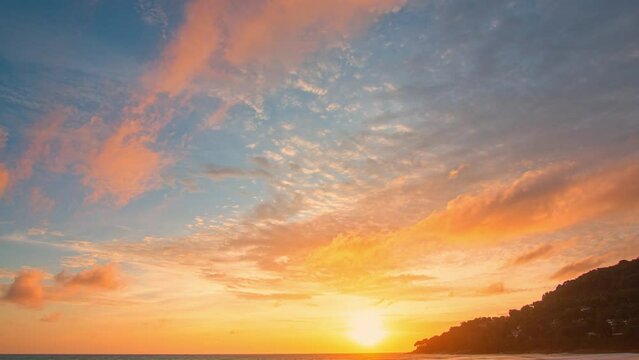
(367, 327)
(258, 176)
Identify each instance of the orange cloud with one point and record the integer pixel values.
(359, 250)
(98, 277)
(539, 252)
(454, 173)
(542, 252)
(4, 179)
(188, 52)
(40, 138)
(124, 167)
(352, 256)
(493, 289)
(26, 289)
(538, 201)
(286, 31)
(116, 164)
(577, 268)
(271, 33)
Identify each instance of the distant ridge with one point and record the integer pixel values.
(596, 312)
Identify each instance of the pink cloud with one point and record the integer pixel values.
(118, 163)
(188, 52)
(272, 33)
(286, 31)
(40, 139)
(4, 179)
(124, 167)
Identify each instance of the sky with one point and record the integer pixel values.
(256, 176)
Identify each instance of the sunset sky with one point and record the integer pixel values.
(267, 176)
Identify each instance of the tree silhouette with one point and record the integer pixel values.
(596, 312)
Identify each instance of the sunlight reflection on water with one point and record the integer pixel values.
(327, 357)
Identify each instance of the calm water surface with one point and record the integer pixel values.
(325, 357)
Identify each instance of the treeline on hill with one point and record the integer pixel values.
(597, 312)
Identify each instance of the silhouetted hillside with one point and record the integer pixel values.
(596, 312)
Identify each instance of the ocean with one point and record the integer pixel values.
(328, 357)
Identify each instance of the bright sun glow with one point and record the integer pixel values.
(367, 327)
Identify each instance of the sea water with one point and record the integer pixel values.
(624, 356)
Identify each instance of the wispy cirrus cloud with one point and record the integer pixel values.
(539, 252)
(186, 54)
(116, 166)
(39, 142)
(278, 31)
(118, 162)
(247, 37)
(124, 167)
(578, 267)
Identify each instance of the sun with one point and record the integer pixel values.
(367, 327)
